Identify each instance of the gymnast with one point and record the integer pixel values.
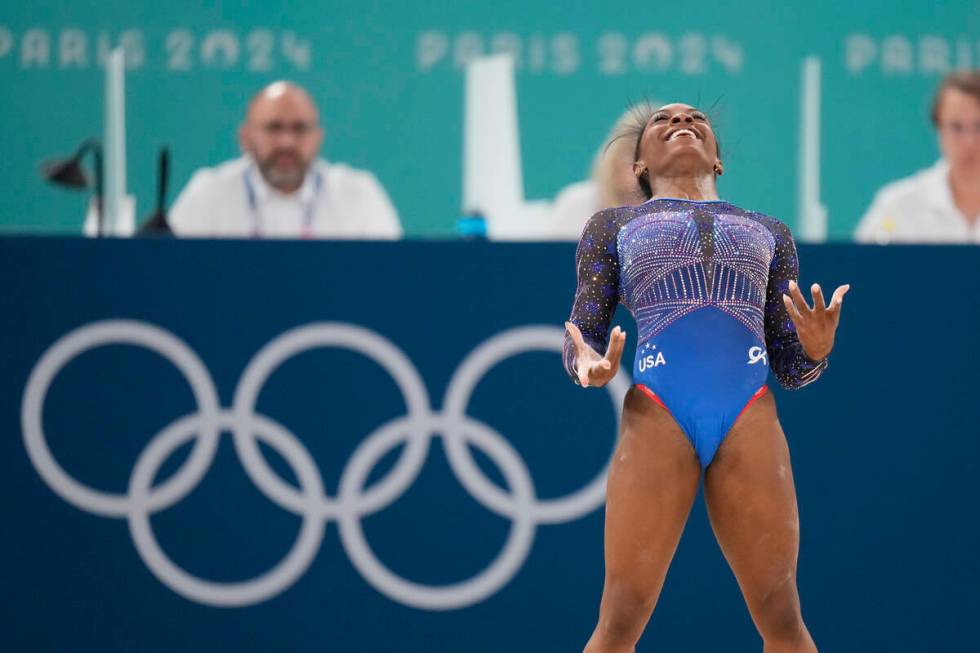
(713, 289)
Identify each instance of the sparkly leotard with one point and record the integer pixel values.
(704, 281)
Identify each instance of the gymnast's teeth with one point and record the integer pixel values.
(682, 131)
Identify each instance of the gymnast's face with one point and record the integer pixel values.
(677, 141)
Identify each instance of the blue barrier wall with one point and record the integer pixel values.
(885, 452)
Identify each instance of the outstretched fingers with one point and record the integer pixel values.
(794, 313)
(590, 368)
(614, 352)
(577, 338)
(582, 364)
(819, 305)
(798, 300)
(838, 297)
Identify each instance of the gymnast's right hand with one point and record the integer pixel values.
(593, 369)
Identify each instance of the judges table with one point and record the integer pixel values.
(294, 446)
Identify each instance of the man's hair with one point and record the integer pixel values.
(964, 81)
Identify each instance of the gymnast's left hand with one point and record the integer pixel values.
(815, 326)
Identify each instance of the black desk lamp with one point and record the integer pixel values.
(69, 173)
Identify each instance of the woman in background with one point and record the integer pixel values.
(940, 204)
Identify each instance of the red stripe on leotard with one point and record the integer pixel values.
(758, 393)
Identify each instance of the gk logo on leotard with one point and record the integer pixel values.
(757, 354)
(649, 361)
(355, 498)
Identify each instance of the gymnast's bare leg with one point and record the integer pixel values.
(752, 506)
(653, 481)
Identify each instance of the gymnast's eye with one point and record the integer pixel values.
(657, 117)
(699, 116)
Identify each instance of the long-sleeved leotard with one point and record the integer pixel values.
(704, 281)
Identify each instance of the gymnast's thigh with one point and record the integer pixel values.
(653, 480)
(751, 502)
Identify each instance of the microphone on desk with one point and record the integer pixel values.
(156, 224)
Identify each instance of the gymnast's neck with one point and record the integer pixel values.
(684, 185)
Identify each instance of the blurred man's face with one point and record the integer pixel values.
(283, 135)
(959, 129)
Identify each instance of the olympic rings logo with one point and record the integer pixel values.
(353, 500)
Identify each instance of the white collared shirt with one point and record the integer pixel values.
(917, 209)
(334, 201)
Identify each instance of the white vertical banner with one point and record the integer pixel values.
(493, 182)
(118, 209)
(812, 215)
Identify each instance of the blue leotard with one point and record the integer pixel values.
(704, 281)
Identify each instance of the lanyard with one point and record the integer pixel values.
(309, 208)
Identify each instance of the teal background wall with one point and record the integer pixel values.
(388, 78)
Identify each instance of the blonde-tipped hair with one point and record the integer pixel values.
(612, 167)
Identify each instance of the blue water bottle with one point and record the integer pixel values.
(472, 226)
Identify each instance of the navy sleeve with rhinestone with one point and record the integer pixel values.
(789, 364)
(597, 291)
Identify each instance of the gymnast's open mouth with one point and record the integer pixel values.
(684, 132)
